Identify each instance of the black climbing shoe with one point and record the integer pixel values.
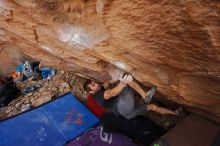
(150, 94)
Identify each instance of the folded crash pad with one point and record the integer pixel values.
(52, 124)
(97, 137)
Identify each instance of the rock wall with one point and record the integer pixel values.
(173, 44)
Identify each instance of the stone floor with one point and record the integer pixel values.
(193, 130)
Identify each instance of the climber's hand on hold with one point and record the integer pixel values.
(126, 79)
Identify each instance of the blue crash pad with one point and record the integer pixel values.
(52, 124)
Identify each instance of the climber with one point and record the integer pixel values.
(120, 99)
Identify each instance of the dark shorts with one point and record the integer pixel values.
(127, 106)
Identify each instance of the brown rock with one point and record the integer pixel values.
(42, 89)
(40, 101)
(54, 89)
(32, 99)
(17, 105)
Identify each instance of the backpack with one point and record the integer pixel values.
(8, 92)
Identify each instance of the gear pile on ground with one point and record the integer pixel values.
(43, 91)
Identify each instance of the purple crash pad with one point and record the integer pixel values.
(97, 137)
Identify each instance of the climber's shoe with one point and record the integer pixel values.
(150, 94)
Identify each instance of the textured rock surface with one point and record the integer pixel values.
(173, 44)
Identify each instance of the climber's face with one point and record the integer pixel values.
(94, 87)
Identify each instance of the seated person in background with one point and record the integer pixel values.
(120, 99)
